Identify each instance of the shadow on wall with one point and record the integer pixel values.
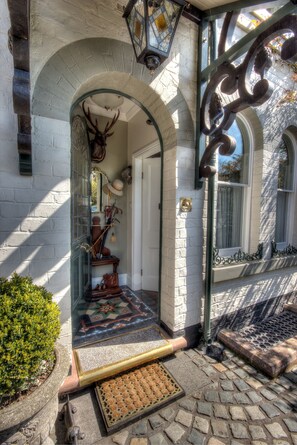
(38, 242)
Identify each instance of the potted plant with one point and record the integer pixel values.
(32, 365)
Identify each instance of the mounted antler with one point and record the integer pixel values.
(98, 144)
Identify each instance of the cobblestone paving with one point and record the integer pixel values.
(239, 406)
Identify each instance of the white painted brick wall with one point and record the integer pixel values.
(35, 211)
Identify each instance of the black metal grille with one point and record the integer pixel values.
(272, 331)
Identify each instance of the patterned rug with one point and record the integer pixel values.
(135, 393)
(111, 313)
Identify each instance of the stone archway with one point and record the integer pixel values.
(94, 64)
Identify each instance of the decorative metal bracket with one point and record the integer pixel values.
(289, 250)
(238, 257)
(229, 79)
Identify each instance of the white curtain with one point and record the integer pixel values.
(229, 217)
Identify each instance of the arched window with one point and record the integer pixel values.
(233, 181)
(285, 189)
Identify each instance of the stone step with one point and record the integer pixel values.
(112, 356)
(270, 345)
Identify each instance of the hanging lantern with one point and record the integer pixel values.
(152, 25)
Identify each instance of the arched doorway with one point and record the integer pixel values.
(51, 104)
(106, 298)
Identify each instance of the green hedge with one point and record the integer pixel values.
(29, 327)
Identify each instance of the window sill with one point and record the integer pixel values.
(234, 271)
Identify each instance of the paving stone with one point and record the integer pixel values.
(168, 413)
(241, 373)
(140, 429)
(196, 438)
(226, 397)
(269, 395)
(209, 371)
(254, 383)
(278, 389)
(257, 442)
(192, 354)
(276, 430)
(249, 369)
(220, 367)
(291, 424)
(213, 385)
(197, 395)
(204, 408)
(201, 424)
(199, 361)
(241, 398)
(238, 361)
(237, 413)
(211, 396)
(137, 441)
(188, 404)
(255, 398)
(270, 410)
(175, 432)
(158, 439)
(184, 417)
(214, 441)
(221, 412)
(280, 442)
(239, 431)
(227, 385)
(121, 438)
(284, 382)
(241, 385)
(156, 421)
(291, 376)
(219, 428)
(223, 377)
(283, 406)
(230, 375)
(294, 438)
(230, 364)
(262, 378)
(257, 432)
(255, 413)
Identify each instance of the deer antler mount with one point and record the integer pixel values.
(98, 143)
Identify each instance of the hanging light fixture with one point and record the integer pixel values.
(152, 25)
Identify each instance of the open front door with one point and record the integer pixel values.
(151, 168)
(80, 211)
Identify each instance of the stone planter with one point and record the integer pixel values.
(31, 420)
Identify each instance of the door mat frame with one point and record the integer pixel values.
(272, 361)
(114, 425)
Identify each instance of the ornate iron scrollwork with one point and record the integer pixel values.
(238, 257)
(289, 250)
(230, 79)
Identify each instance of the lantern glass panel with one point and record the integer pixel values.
(136, 23)
(162, 21)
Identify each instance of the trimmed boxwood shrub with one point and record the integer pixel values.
(29, 327)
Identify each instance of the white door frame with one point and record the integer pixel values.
(137, 157)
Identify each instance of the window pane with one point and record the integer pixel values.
(229, 217)
(281, 217)
(235, 168)
(286, 163)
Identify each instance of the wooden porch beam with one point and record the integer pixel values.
(19, 46)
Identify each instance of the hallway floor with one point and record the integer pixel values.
(227, 403)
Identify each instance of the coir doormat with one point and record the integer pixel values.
(135, 393)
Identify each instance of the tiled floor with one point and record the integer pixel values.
(146, 313)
